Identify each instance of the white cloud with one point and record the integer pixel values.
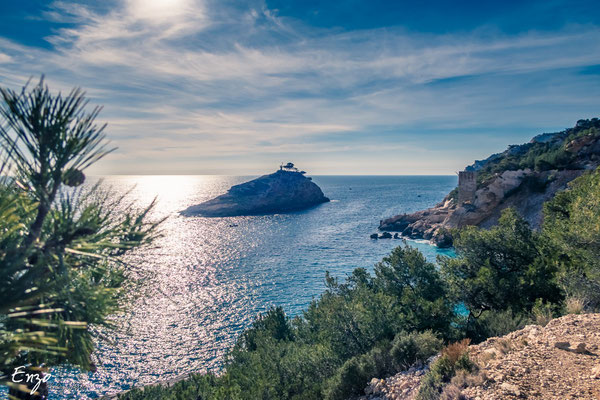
(5, 58)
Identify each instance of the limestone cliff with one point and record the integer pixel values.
(523, 177)
(284, 191)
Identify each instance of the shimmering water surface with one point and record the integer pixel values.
(211, 276)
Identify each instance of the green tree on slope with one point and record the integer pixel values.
(502, 269)
(572, 233)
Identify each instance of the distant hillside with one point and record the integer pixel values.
(573, 148)
(523, 177)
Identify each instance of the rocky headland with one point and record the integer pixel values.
(558, 361)
(523, 177)
(285, 190)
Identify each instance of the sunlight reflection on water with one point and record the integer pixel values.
(211, 276)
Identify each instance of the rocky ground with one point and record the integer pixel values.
(558, 361)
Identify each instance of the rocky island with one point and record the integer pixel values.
(523, 177)
(283, 191)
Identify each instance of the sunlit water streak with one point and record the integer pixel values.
(212, 276)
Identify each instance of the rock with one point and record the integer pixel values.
(510, 388)
(280, 192)
(562, 345)
(385, 235)
(581, 348)
(396, 235)
(595, 372)
(442, 239)
(374, 236)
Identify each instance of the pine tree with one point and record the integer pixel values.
(61, 241)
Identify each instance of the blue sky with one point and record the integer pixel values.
(338, 87)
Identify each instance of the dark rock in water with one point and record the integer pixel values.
(374, 236)
(283, 191)
(385, 235)
(396, 236)
(442, 239)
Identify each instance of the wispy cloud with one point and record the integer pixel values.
(209, 81)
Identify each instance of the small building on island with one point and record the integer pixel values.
(288, 167)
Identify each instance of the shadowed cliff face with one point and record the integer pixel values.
(280, 192)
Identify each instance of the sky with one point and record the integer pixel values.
(337, 87)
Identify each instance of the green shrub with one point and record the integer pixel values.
(496, 323)
(273, 324)
(195, 386)
(542, 312)
(352, 378)
(454, 358)
(413, 348)
(384, 360)
(419, 291)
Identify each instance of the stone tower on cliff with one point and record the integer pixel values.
(467, 185)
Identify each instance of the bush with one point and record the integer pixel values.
(273, 324)
(419, 291)
(496, 323)
(384, 360)
(454, 358)
(543, 312)
(574, 305)
(413, 348)
(352, 378)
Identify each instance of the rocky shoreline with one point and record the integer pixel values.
(555, 160)
(524, 190)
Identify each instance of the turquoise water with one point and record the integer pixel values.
(208, 278)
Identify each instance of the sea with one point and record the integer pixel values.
(205, 279)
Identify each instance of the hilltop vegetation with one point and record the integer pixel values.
(548, 151)
(376, 324)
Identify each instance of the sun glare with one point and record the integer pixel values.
(158, 9)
